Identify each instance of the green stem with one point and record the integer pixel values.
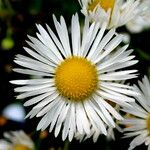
(66, 146)
(37, 145)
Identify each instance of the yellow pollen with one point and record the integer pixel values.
(20, 147)
(76, 78)
(148, 124)
(105, 4)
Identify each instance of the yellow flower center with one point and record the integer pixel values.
(20, 147)
(76, 78)
(148, 124)
(105, 4)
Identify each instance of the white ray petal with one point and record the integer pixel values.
(131, 134)
(63, 34)
(102, 44)
(82, 121)
(67, 122)
(45, 50)
(72, 127)
(84, 35)
(46, 39)
(116, 99)
(56, 114)
(35, 92)
(35, 65)
(109, 47)
(32, 113)
(119, 90)
(61, 118)
(32, 72)
(117, 65)
(79, 120)
(112, 58)
(42, 122)
(134, 121)
(32, 81)
(92, 39)
(49, 106)
(39, 57)
(111, 110)
(97, 41)
(104, 111)
(46, 101)
(75, 34)
(95, 120)
(50, 115)
(87, 40)
(137, 141)
(31, 88)
(56, 41)
(97, 109)
(120, 75)
(37, 99)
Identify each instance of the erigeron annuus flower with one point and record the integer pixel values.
(16, 140)
(115, 12)
(138, 125)
(142, 21)
(74, 80)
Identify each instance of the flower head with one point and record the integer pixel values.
(105, 4)
(142, 21)
(16, 140)
(115, 12)
(139, 124)
(73, 83)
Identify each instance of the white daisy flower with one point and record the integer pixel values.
(139, 124)
(14, 112)
(142, 21)
(115, 12)
(16, 140)
(73, 80)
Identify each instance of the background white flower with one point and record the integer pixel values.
(139, 122)
(115, 12)
(142, 21)
(73, 83)
(16, 140)
(14, 112)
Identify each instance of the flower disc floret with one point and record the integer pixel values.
(76, 78)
